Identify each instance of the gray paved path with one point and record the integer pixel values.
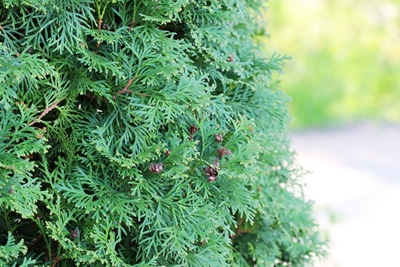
(355, 183)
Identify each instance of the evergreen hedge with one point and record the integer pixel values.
(145, 133)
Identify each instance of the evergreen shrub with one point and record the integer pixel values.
(145, 133)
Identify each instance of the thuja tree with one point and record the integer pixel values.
(145, 133)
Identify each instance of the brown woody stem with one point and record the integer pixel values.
(132, 24)
(125, 89)
(56, 260)
(99, 23)
(47, 110)
(240, 231)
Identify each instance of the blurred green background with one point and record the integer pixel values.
(345, 63)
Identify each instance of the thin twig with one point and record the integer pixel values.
(240, 231)
(132, 24)
(99, 23)
(125, 89)
(56, 260)
(47, 110)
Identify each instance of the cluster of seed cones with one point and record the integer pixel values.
(211, 171)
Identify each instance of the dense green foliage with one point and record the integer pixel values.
(144, 133)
